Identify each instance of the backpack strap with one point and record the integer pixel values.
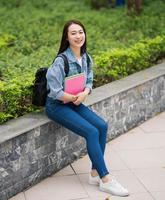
(66, 64)
(88, 61)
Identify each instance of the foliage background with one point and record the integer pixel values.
(30, 35)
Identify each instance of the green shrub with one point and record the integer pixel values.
(11, 3)
(15, 98)
(6, 40)
(118, 63)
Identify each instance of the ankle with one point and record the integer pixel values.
(105, 179)
(94, 173)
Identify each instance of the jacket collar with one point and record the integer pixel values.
(71, 57)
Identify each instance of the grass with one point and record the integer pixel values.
(33, 30)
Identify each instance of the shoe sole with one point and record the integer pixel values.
(107, 191)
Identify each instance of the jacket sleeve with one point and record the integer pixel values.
(89, 82)
(55, 78)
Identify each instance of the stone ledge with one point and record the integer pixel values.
(116, 87)
(16, 127)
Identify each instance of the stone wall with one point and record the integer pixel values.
(32, 147)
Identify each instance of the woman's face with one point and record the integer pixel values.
(76, 36)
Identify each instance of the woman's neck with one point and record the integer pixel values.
(76, 52)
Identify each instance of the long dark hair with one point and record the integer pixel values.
(64, 42)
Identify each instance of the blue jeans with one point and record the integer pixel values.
(84, 122)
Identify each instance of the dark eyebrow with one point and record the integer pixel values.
(76, 31)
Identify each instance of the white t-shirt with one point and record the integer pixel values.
(80, 61)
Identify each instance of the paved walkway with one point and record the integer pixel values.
(136, 158)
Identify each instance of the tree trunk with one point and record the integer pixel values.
(134, 6)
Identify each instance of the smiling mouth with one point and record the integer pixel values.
(79, 41)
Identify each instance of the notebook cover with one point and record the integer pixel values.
(74, 84)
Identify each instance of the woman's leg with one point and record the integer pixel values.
(69, 118)
(65, 115)
(96, 121)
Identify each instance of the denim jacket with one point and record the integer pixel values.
(56, 74)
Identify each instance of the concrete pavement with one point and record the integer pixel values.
(137, 159)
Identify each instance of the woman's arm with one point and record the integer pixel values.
(55, 78)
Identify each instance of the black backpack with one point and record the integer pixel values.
(39, 88)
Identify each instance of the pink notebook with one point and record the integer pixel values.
(74, 84)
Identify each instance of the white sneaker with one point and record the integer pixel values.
(114, 188)
(94, 180)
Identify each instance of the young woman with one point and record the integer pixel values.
(68, 109)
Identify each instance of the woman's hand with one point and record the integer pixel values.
(68, 98)
(81, 96)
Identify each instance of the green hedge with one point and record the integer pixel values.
(118, 63)
(15, 95)
(15, 98)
